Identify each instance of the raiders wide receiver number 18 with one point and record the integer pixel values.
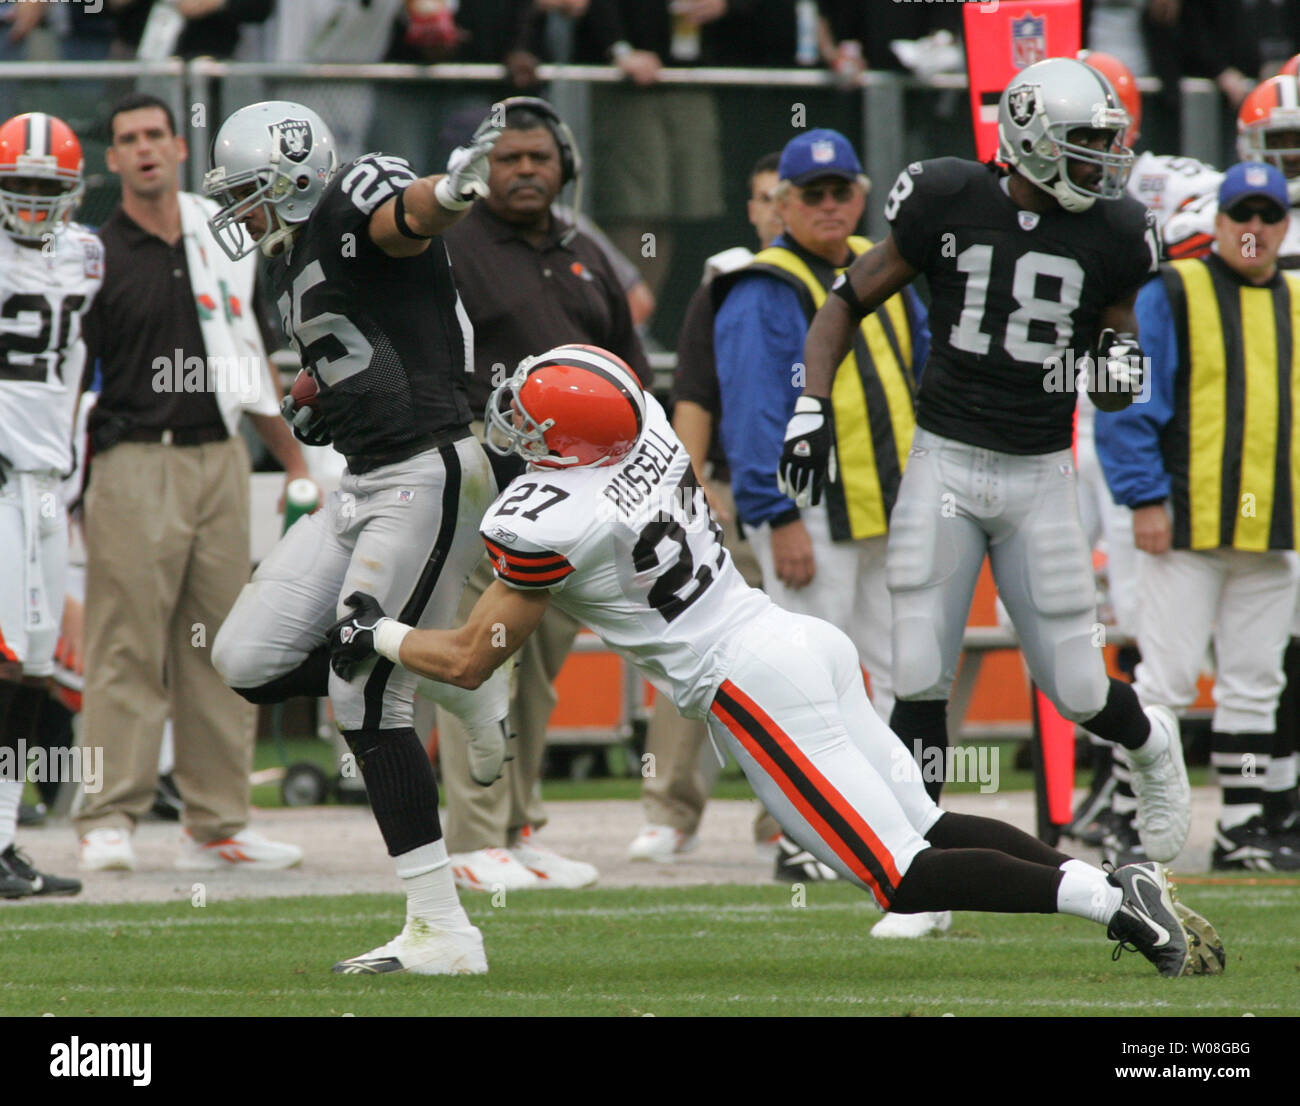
(1029, 270)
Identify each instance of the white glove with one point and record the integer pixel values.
(467, 171)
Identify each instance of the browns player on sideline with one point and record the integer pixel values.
(1027, 271)
(50, 271)
(365, 291)
(610, 525)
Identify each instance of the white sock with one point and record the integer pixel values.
(1085, 892)
(11, 794)
(430, 890)
(1233, 815)
(1281, 775)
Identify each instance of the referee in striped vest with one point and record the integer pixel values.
(827, 561)
(1209, 461)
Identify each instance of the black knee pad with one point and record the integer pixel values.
(311, 678)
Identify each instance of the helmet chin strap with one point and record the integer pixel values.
(1069, 199)
(273, 242)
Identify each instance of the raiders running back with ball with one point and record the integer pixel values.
(1029, 271)
(609, 525)
(365, 290)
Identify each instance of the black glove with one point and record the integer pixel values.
(1118, 371)
(352, 638)
(808, 459)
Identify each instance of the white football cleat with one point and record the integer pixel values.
(1164, 814)
(550, 868)
(107, 850)
(491, 870)
(913, 925)
(423, 948)
(660, 844)
(245, 850)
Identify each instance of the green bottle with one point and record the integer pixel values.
(300, 498)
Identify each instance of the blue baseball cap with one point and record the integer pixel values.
(1249, 179)
(817, 154)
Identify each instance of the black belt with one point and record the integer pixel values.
(359, 463)
(186, 435)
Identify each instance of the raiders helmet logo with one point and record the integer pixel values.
(295, 138)
(1020, 102)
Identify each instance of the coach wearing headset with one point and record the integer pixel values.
(529, 282)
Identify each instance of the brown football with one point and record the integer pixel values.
(305, 390)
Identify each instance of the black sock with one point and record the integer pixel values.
(1121, 720)
(1126, 660)
(976, 879)
(53, 732)
(400, 786)
(922, 725)
(311, 677)
(970, 831)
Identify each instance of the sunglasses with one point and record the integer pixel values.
(1245, 211)
(813, 195)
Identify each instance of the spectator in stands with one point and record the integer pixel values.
(1239, 42)
(211, 26)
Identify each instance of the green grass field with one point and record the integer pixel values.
(721, 950)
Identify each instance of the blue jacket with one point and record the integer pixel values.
(1128, 441)
(758, 339)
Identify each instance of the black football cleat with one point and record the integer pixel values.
(1146, 921)
(16, 865)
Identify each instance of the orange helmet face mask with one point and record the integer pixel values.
(574, 406)
(40, 175)
(1268, 128)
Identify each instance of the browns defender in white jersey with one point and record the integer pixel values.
(604, 524)
(50, 271)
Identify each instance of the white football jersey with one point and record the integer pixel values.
(631, 551)
(45, 291)
(1190, 232)
(1164, 183)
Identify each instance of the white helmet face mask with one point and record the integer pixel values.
(276, 155)
(1038, 111)
(1253, 145)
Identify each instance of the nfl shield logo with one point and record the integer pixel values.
(405, 495)
(1028, 40)
(295, 138)
(822, 152)
(1028, 220)
(1256, 176)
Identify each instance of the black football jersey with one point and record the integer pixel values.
(386, 337)
(1017, 298)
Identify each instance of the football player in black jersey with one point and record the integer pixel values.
(365, 292)
(1029, 270)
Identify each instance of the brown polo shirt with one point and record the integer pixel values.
(524, 300)
(145, 311)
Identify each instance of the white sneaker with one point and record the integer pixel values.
(660, 844)
(246, 850)
(423, 948)
(107, 850)
(550, 868)
(491, 870)
(913, 925)
(1164, 813)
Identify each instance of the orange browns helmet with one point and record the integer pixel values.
(1290, 67)
(1125, 85)
(573, 406)
(1273, 106)
(37, 147)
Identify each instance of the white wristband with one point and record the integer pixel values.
(447, 198)
(389, 635)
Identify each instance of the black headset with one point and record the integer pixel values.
(570, 157)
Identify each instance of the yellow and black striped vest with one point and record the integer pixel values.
(1232, 448)
(872, 396)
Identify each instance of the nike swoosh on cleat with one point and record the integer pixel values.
(1142, 913)
(369, 967)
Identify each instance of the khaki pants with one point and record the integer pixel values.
(685, 765)
(167, 536)
(488, 817)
